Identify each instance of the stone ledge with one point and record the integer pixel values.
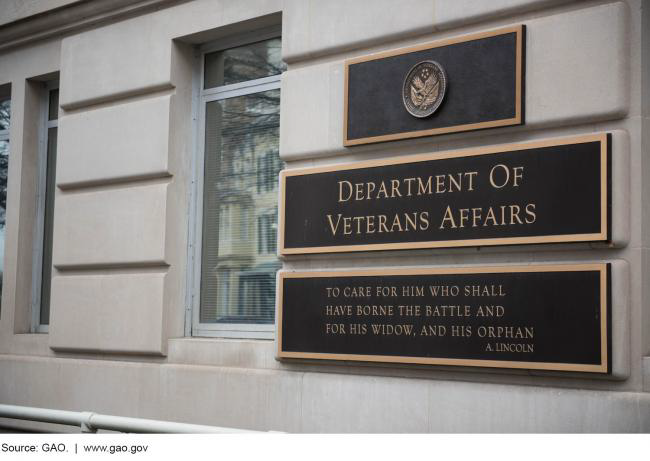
(314, 402)
(72, 17)
(305, 37)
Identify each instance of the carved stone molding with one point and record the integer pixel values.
(73, 18)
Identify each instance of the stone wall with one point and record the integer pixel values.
(117, 341)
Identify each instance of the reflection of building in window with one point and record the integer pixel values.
(241, 166)
(257, 292)
(268, 168)
(224, 222)
(267, 225)
(5, 116)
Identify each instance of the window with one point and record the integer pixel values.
(5, 117)
(267, 225)
(268, 168)
(45, 218)
(235, 259)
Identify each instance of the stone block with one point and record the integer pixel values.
(97, 68)
(577, 66)
(124, 141)
(119, 313)
(344, 403)
(124, 226)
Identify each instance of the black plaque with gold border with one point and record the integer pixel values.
(558, 191)
(537, 317)
(485, 88)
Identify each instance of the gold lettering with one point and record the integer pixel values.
(396, 223)
(514, 214)
(518, 174)
(530, 211)
(371, 188)
(332, 226)
(453, 182)
(507, 171)
(476, 215)
(422, 189)
(382, 189)
(349, 185)
(464, 216)
(440, 184)
(358, 191)
(448, 217)
(394, 183)
(471, 175)
(382, 223)
(370, 224)
(490, 216)
(424, 220)
(358, 220)
(408, 182)
(411, 221)
(347, 225)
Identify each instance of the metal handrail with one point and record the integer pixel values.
(90, 422)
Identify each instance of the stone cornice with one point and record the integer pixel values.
(72, 18)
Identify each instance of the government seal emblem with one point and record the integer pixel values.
(424, 88)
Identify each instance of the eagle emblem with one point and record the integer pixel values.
(424, 94)
(424, 88)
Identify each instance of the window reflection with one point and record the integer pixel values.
(4, 168)
(5, 114)
(249, 62)
(239, 260)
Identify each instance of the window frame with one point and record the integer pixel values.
(200, 98)
(41, 187)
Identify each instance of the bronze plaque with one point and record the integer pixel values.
(456, 84)
(538, 317)
(549, 191)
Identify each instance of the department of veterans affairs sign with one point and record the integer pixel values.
(548, 191)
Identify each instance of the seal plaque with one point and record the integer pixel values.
(424, 88)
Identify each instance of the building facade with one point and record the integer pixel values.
(141, 144)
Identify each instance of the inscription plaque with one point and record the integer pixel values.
(545, 317)
(483, 75)
(541, 192)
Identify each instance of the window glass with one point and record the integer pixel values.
(48, 164)
(53, 105)
(5, 114)
(4, 168)
(239, 261)
(48, 226)
(248, 62)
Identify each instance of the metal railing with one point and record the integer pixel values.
(90, 422)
